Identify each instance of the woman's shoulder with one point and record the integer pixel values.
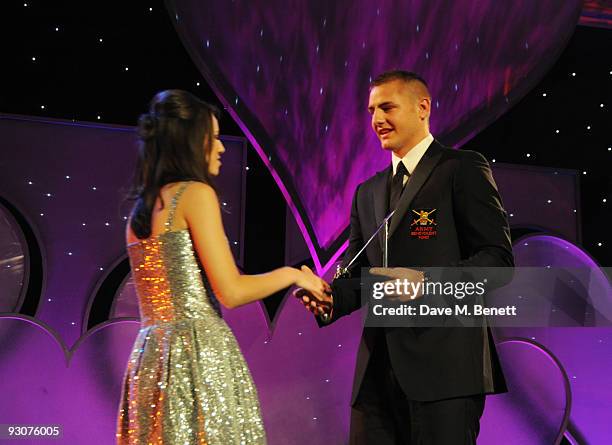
(199, 192)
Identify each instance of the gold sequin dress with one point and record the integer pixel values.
(186, 381)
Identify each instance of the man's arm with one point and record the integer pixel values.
(482, 222)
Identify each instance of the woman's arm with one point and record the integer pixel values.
(203, 215)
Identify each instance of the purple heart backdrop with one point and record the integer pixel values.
(295, 76)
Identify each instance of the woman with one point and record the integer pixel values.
(186, 381)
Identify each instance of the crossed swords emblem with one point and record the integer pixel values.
(423, 218)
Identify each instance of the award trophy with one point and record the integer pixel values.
(345, 272)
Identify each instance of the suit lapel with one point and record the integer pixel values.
(380, 197)
(417, 179)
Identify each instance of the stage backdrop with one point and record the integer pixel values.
(62, 252)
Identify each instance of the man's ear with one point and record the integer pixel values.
(424, 107)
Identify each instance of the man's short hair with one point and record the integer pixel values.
(390, 76)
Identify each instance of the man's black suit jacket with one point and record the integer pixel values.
(472, 231)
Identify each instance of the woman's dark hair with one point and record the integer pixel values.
(175, 139)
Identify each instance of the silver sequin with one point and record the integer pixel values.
(186, 381)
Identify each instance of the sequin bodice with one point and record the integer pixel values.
(168, 279)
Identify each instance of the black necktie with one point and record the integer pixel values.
(397, 185)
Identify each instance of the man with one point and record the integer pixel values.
(421, 386)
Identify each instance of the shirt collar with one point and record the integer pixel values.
(414, 155)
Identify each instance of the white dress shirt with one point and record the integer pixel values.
(413, 156)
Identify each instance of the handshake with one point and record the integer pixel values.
(316, 295)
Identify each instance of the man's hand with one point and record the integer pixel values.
(316, 305)
(414, 280)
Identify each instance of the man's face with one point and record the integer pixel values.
(399, 115)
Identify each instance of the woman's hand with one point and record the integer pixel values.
(310, 282)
